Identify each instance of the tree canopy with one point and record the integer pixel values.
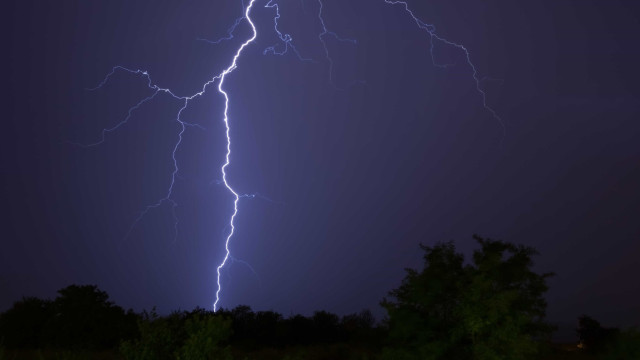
(81, 317)
(492, 308)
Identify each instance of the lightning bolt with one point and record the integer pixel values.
(434, 37)
(321, 36)
(229, 33)
(156, 90)
(286, 39)
(222, 76)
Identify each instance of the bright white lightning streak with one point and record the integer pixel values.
(222, 76)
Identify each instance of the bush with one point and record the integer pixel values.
(199, 335)
(156, 339)
(206, 334)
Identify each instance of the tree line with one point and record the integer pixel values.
(491, 307)
(82, 318)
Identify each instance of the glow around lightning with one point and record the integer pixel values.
(278, 49)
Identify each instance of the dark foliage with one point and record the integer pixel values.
(82, 320)
(85, 318)
(490, 309)
(22, 325)
(255, 330)
(81, 317)
(608, 343)
(202, 334)
(593, 337)
(622, 345)
(195, 335)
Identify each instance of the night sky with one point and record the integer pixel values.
(354, 164)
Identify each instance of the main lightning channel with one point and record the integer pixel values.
(222, 76)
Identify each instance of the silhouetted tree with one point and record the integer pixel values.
(490, 309)
(325, 326)
(359, 327)
(593, 336)
(22, 325)
(83, 317)
(243, 324)
(267, 327)
(300, 330)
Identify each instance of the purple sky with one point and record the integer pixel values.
(356, 177)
